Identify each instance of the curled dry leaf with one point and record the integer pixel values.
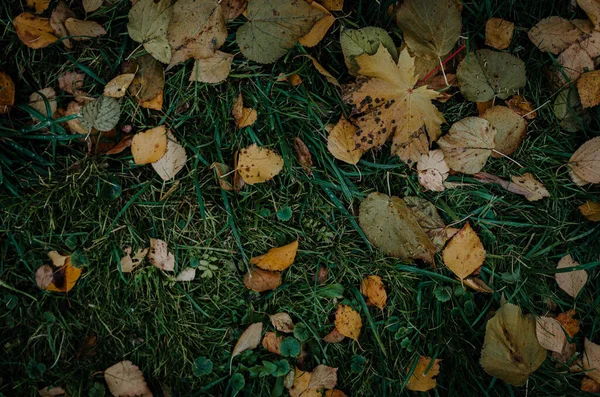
(511, 351)
(550, 334)
(585, 162)
(468, 144)
(38, 101)
(521, 106)
(222, 173)
(372, 287)
(348, 322)
(172, 161)
(464, 254)
(422, 379)
(83, 30)
(333, 337)
(213, 69)
(117, 87)
(35, 32)
(477, 284)
(303, 154)
(149, 146)
(571, 282)
(57, 21)
(282, 322)
(126, 379)
(588, 87)
(555, 34)
(277, 259)
(243, 116)
(433, 171)
(148, 24)
(257, 164)
(128, 263)
(249, 339)
(340, 142)
(320, 29)
(187, 274)
(323, 377)
(7, 92)
(44, 276)
(262, 280)
(272, 342)
(591, 210)
(159, 255)
(526, 185)
(510, 129)
(499, 33)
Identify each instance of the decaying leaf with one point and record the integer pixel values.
(257, 164)
(172, 161)
(521, 106)
(83, 30)
(422, 379)
(38, 101)
(589, 385)
(272, 342)
(39, 5)
(585, 162)
(477, 284)
(57, 21)
(282, 322)
(277, 259)
(92, 5)
(550, 334)
(510, 129)
(388, 104)
(222, 171)
(126, 379)
(333, 5)
(526, 185)
(333, 337)
(323, 377)
(148, 24)
(372, 287)
(464, 254)
(159, 255)
(60, 277)
(348, 322)
(555, 34)
(295, 79)
(51, 392)
(430, 221)
(102, 114)
(71, 82)
(571, 282)
(273, 27)
(569, 324)
(340, 142)
(35, 32)
(568, 110)
(588, 87)
(591, 210)
(249, 339)
(243, 116)
(499, 33)
(433, 171)
(149, 81)
(485, 74)
(44, 276)
(390, 226)
(411, 149)
(592, 9)
(303, 154)
(7, 92)
(356, 42)
(591, 359)
(468, 144)
(300, 385)
(233, 8)
(187, 274)
(320, 29)
(117, 87)
(511, 351)
(430, 27)
(212, 70)
(129, 263)
(149, 146)
(262, 280)
(574, 61)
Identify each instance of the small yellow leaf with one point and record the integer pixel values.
(244, 117)
(588, 86)
(257, 164)
(520, 105)
(320, 29)
(295, 79)
(262, 280)
(340, 142)
(571, 282)
(421, 379)
(117, 87)
(348, 322)
(149, 146)
(278, 259)
(372, 287)
(464, 254)
(591, 210)
(498, 33)
(570, 325)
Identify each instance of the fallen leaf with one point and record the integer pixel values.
(568, 110)
(148, 24)
(591, 359)
(272, 342)
(333, 337)
(60, 277)
(555, 34)
(430, 221)
(128, 263)
(277, 259)
(61, 13)
(390, 226)
(294, 79)
(430, 27)
(123, 144)
(510, 129)
(71, 82)
(303, 154)
(273, 27)
(233, 8)
(340, 142)
(149, 80)
(333, 5)
(39, 99)
(585, 162)
(320, 29)
(102, 114)
(321, 275)
(212, 70)
(282, 322)
(323, 377)
(334, 393)
(411, 149)
(125, 379)
(7, 92)
(574, 61)
(468, 144)
(486, 74)
(372, 287)
(328, 76)
(75, 125)
(117, 87)
(356, 42)
(87, 347)
(40, 6)
(249, 339)
(589, 385)
(511, 351)
(499, 33)
(483, 106)
(238, 181)
(388, 104)
(348, 322)
(149, 146)
(300, 386)
(172, 161)
(187, 274)
(43, 276)
(433, 171)
(571, 282)
(591, 45)
(525, 185)
(35, 32)
(588, 87)
(222, 171)
(570, 325)
(257, 164)
(92, 5)
(262, 280)
(159, 255)
(550, 334)
(243, 116)
(51, 392)
(83, 30)
(521, 106)
(422, 379)
(478, 285)
(592, 9)
(464, 254)
(591, 210)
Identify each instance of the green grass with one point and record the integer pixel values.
(163, 326)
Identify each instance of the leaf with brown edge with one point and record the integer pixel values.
(7, 92)
(588, 87)
(388, 104)
(83, 30)
(464, 254)
(323, 377)
(149, 80)
(249, 339)
(272, 342)
(571, 282)
(411, 149)
(433, 171)
(510, 350)
(282, 322)
(499, 33)
(149, 146)
(585, 162)
(591, 210)
(35, 32)
(117, 87)
(233, 8)
(550, 334)
(589, 385)
(320, 29)
(570, 325)
(555, 34)
(333, 337)
(521, 106)
(468, 144)
(303, 154)
(348, 322)
(422, 378)
(125, 379)
(340, 142)
(277, 259)
(257, 164)
(57, 21)
(243, 116)
(591, 359)
(262, 280)
(159, 255)
(510, 129)
(373, 288)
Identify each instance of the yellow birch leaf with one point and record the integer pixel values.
(83, 30)
(149, 146)
(117, 87)
(320, 29)
(499, 33)
(591, 210)
(348, 322)
(464, 254)
(340, 142)
(257, 164)
(372, 287)
(277, 259)
(34, 32)
(588, 87)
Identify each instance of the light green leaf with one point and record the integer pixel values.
(273, 28)
(148, 24)
(102, 114)
(567, 109)
(356, 42)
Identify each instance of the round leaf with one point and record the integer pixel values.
(289, 347)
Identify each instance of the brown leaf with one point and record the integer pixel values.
(222, 172)
(585, 162)
(510, 129)
(591, 359)
(126, 380)
(433, 171)
(54, 392)
(483, 106)
(39, 5)
(159, 255)
(412, 148)
(372, 287)
(498, 33)
(589, 385)
(249, 340)
(340, 142)
(464, 254)
(588, 87)
(333, 337)
(213, 69)
(262, 280)
(526, 185)
(333, 5)
(574, 61)
(272, 342)
(231, 9)
(591, 210)
(71, 82)
(7, 92)
(421, 379)
(57, 21)
(478, 285)
(83, 30)
(321, 275)
(123, 144)
(592, 9)
(117, 87)
(348, 322)
(44, 276)
(75, 125)
(555, 34)
(521, 106)
(323, 377)
(304, 157)
(244, 117)
(571, 282)
(570, 325)
(92, 5)
(87, 347)
(550, 334)
(35, 32)
(282, 322)
(328, 76)
(149, 79)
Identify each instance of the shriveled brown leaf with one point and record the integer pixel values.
(526, 185)
(570, 325)
(222, 173)
(160, 256)
(44, 276)
(323, 377)
(57, 21)
(333, 337)
(468, 144)
(477, 284)
(303, 154)
(591, 210)
(260, 280)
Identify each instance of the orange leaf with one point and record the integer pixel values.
(278, 259)
(262, 280)
(348, 322)
(34, 32)
(7, 92)
(372, 287)
(421, 379)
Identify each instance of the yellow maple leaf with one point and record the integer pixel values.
(388, 103)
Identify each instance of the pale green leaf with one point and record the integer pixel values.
(148, 24)
(356, 42)
(102, 114)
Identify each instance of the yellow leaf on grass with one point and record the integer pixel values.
(510, 127)
(148, 23)
(521, 106)
(333, 5)
(244, 117)
(588, 87)
(340, 142)
(591, 210)
(34, 32)
(570, 325)
(126, 379)
(83, 30)
(117, 87)
(300, 386)
(7, 92)
(422, 379)
(249, 339)
(348, 322)
(468, 144)
(277, 259)
(585, 162)
(159, 255)
(257, 164)
(149, 146)
(320, 29)
(372, 287)
(571, 282)
(64, 277)
(262, 280)
(149, 81)
(550, 334)
(39, 5)
(499, 33)
(464, 254)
